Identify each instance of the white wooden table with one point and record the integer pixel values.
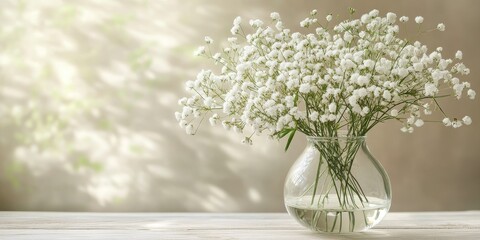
(90, 226)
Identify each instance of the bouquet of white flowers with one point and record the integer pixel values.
(351, 76)
(338, 81)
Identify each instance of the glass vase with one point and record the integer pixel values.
(337, 186)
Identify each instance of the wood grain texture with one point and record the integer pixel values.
(91, 226)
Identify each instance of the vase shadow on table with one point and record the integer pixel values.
(370, 234)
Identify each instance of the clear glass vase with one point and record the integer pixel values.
(337, 186)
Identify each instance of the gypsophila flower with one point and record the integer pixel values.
(214, 119)
(419, 19)
(256, 23)
(275, 16)
(441, 27)
(304, 88)
(178, 116)
(418, 66)
(426, 109)
(456, 123)
(305, 23)
(467, 120)
(237, 21)
(189, 129)
(329, 17)
(332, 107)
(208, 40)
(394, 113)
(391, 17)
(236, 25)
(200, 50)
(471, 93)
(447, 122)
(407, 129)
(410, 120)
(419, 122)
(430, 89)
(350, 76)
(279, 26)
(459, 55)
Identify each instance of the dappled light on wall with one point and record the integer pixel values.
(87, 99)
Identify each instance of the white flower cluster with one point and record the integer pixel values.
(353, 76)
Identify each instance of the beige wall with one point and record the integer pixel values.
(88, 90)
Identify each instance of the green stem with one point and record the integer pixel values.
(316, 179)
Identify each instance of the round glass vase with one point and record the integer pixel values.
(337, 186)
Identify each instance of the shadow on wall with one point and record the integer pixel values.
(87, 100)
(87, 95)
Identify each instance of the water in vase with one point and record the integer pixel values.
(330, 217)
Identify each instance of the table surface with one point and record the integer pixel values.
(70, 225)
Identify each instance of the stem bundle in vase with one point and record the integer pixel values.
(339, 154)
